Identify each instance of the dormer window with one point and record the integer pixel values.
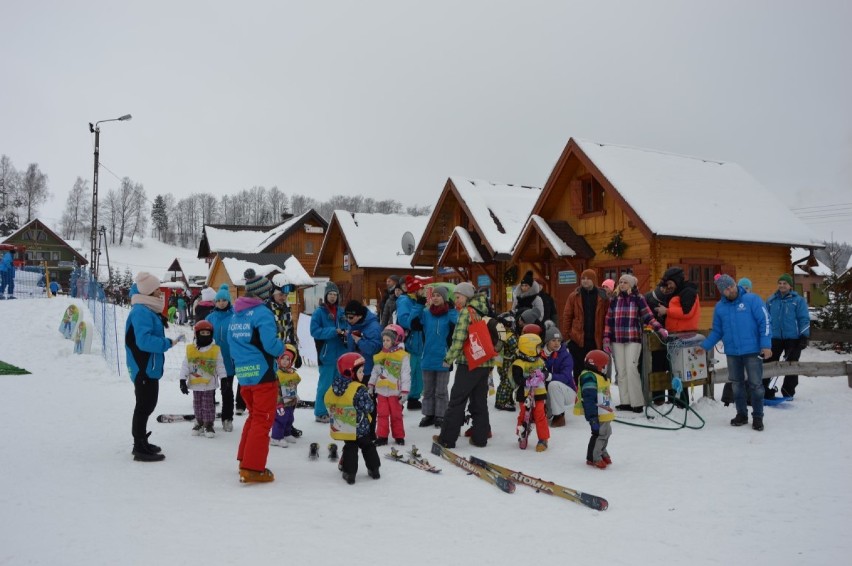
(592, 194)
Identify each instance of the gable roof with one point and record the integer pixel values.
(687, 197)
(217, 238)
(373, 239)
(498, 211)
(81, 259)
(290, 269)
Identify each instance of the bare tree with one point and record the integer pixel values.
(33, 190)
(77, 206)
(415, 210)
(300, 204)
(10, 201)
(138, 212)
(835, 256)
(111, 215)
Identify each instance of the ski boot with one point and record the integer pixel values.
(332, 452)
(314, 454)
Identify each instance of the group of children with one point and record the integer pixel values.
(352, 403)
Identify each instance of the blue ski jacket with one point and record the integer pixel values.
(742, 325)
(370, 343)
(408, 317)
(789, 315)
(436, 333)
(324, 325)
(253, 338)
(145, 343)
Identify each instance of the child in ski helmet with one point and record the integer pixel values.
(202, 369)
(390, 380)
(531, 390)
(349, 408)
(594, 401)
(288, 381)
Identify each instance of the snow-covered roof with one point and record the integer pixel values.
(293, 272)
(375, 240)
(561, 248)
(689, 197)
(192, 267)
(467, 242)
(270, 236)
(500, 211)
(247, 241)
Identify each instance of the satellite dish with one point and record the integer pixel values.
(408, 243)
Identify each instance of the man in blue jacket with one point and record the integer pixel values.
(7, 274)
(741, 322)
(145, 344)
(791, 328)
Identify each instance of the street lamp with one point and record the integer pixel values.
(93, 128)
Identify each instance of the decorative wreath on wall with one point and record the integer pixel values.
(617, 246)
(510, 275)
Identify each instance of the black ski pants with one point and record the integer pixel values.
(350, 455)
(792, 350)
(147, 392)
(469, 387)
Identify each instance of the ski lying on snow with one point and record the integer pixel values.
(413, 459)
(587, 499)
(170, 418)
(478, 471)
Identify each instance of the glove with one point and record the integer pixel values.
(595, 424)
(803, 342)
(183, 388)
(279, 409)
(606, 347)
(371, 389)
(663, 334)
(403, 397)
(180, 338)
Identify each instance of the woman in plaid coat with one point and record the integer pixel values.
(628, 314)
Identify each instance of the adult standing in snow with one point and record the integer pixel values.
(364, 335)
(255, 347)
(408, 309)
(388, 306)
(583, 319)
(7, 274)
(328, 329)
(741, 322)
(220, 318)
(470, 385)
(145, 343)
(628, 313)
(791, 329)
(438, 321)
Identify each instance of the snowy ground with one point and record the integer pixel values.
(71, 493)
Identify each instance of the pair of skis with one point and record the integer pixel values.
(506, 479)
(413, 458)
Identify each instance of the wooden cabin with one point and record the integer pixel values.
(44, 248)
(361, 250)
(281, 269)
(809, 275)
(471, 235)
(300, 236)
(642, 211)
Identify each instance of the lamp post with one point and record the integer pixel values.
(93, 256)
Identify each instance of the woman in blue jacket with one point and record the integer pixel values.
(438, 322)
(364, 335)
(791, 328)
(145, 344)
(328, 329)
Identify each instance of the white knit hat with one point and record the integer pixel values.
(208, 294)
(146, 283)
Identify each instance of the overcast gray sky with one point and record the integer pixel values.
(388, 99)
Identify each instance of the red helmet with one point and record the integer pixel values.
(396, 333)
(203, 325)
(597, 360)
(348, 364)
(531, 329)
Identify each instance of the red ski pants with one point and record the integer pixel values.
(539, 415)
(254, 443)
(389, 409)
